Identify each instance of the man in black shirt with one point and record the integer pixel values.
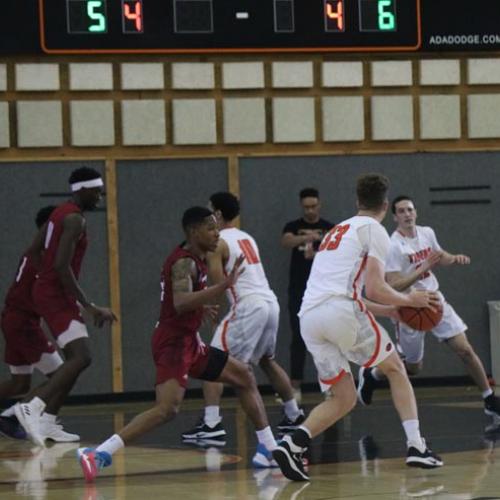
(303, 236)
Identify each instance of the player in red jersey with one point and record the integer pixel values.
(178, 351)
(27, 348)
(58, 296)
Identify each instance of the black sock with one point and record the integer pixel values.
(301, 438)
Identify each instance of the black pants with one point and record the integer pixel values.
(297, 347)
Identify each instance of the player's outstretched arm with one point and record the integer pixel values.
(378, 290)
(184, 274)
(449, 259)
(401, 282)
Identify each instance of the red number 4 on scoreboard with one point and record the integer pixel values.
(132, 11)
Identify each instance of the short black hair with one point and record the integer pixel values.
(371, 190)
(195, 216)
(43, 215)
(396, 200)
(227, 203)
(309, 193)
(84, 174)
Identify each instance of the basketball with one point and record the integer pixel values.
(420, 318)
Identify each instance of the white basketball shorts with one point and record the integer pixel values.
(248, 332)
(411, 342)
(338, 332)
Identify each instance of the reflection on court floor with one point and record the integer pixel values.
(361, 458)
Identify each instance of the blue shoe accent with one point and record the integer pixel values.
(263, 458)
(103, 458)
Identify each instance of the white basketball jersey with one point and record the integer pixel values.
(338, 268)
(253, 280)
(407, 254)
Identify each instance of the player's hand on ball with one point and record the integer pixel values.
(422, 298)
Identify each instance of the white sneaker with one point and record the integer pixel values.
(55, 432)
(29, 416)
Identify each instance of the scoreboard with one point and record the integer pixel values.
(239, 26)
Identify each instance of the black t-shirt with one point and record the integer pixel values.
(300, 266)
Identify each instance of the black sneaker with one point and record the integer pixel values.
(425, 459)
(492, 406)
(290, 462)
(204, 431)
(366, 385)
(288, 425)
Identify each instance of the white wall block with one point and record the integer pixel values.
(3, 77)
(440, 72)
(243, 75)
(392, 118)
(92, 123)
(483, 113)
(293, 119)
(483, 71)
(342, 74)
(143, 122)
(244, 120)
(440, 117)
(39, 124)
(4, 125)
(142, 76)
(194, 121)
(343, 119)
(292, 74)
(37, 77)
(91, 76)
(193, 76)
(391, 73)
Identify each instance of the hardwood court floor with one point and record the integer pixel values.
(360, 458)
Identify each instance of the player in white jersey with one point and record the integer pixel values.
(414, 251)
(338, 327)
(249, 329)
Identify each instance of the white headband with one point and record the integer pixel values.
(93, 183)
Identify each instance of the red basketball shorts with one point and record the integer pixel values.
(61, 313)
(181, 357)
(26, 345)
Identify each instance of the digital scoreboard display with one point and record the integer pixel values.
(183, 26)
(251, 26)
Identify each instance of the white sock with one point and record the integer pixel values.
(291, 409)
(9, 412)
(266, 437)
(487, 392)
(111, 445)
(212, 415)
(377, 374)
(51, 419)
(412, 431)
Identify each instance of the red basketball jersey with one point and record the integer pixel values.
(19, 294)
(187, 323)
(48, 275)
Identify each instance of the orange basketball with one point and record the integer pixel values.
(420, 318)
